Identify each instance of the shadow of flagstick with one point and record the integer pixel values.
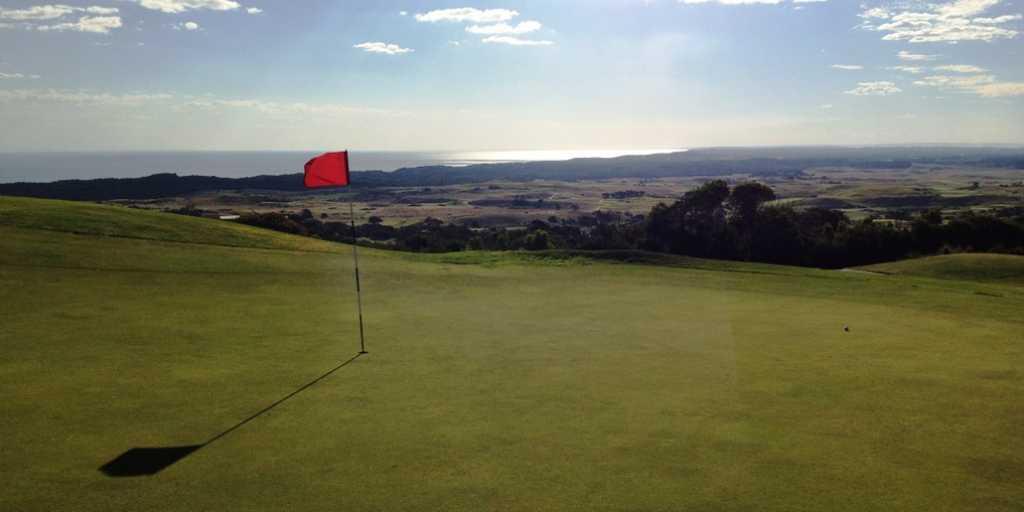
(150, 461)
(282, 400)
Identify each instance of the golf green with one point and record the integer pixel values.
(494, 381)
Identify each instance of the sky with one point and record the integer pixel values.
(507, 75)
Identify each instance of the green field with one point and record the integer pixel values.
(987, 268)
(494, 382)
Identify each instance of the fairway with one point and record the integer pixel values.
(494, 381)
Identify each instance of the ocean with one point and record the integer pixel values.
(44, 167)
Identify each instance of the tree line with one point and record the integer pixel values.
(742, 223)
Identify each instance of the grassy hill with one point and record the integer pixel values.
(116, 221)
(988, 268)
(495, 381)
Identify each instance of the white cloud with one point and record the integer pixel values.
(982, 85)
(490, 23)
(281, 109)
(51, 12)
(467, 14)
(190, 26)
(875, 12)
(951, 22)
(752, 2)
(1000, 89)
(826, 106)
(254, 10)
(915, 70)
(186, 103)
(964, 8)
(915, 57)
(35, 17)
(961, 68)
(515, 41)
(179, 6)
(524, 27)
(955, 82)
(998, 19)
(17, 76)
(95, 9)
(732, 2)
(848, 67)
(37, 12)
(91, 24)
(874, 89)
(381, 47)
(79, 97)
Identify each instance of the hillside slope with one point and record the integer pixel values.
(989, 268)
(494, 381)
(118, 221)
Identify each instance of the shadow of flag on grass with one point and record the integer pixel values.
(146, 461)
(150, 461)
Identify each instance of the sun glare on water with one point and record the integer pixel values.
(484, 157)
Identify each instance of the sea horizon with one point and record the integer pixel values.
(48, 166)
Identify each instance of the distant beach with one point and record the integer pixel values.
(44, 167)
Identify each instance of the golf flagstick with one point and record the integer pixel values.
(359, 291)
(332, 170)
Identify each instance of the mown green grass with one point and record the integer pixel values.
(990, 268)
(515, 382)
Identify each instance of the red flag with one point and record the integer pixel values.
(327, 170)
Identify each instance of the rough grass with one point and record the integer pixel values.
(120, 221)
(987, 268)
(494, 382)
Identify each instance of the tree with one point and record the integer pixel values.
(746, 198)
(743, 204)
(661, 229)
(275, 221)
(775, 237)
(702, 221)
(694, 225)
(927, 231)
(706, 198)
(538, 240)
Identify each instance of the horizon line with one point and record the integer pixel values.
(664, 150)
